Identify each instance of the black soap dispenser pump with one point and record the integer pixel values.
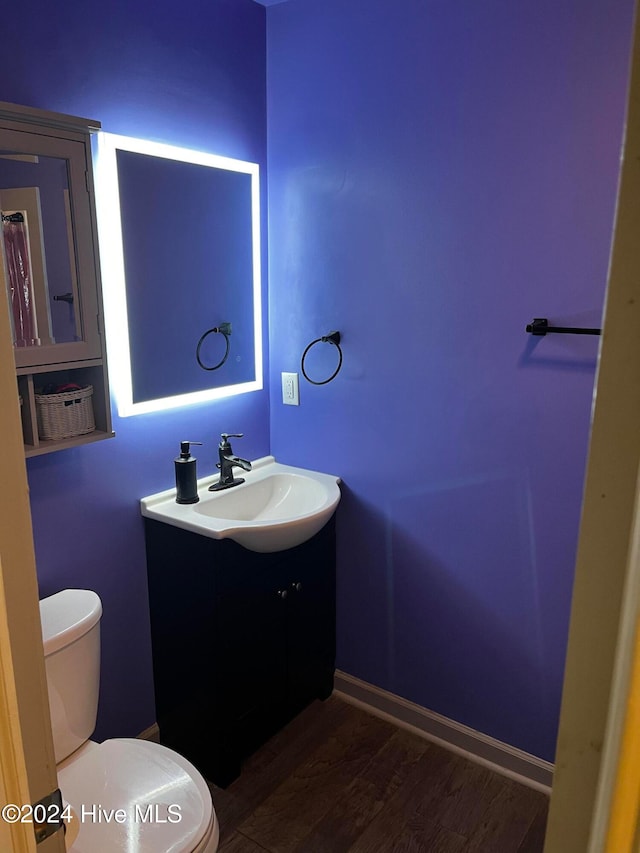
(186, 479)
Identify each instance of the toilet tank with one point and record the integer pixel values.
(71, 636)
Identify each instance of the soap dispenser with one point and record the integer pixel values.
(186, 479)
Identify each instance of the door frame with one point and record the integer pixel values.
(27, 761)
(592, 795)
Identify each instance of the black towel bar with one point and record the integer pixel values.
(540, 326)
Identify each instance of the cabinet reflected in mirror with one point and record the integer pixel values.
(180, 250)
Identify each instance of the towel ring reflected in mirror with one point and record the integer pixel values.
(222, 329)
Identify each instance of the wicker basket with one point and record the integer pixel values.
(65, 415)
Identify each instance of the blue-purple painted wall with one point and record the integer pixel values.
(440, 173)
(194, 76)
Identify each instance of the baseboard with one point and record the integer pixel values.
(500, 757)
(504, 759)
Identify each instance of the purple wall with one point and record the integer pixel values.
(193, 76)
(440, 174)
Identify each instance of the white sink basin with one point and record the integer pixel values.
(277, 507)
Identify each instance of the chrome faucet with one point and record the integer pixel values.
(228, 462)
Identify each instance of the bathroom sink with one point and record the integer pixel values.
(277, 507)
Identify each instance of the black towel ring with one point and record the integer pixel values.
(223, 329)
(331, 338)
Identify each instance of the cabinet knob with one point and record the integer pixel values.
(282, 593)
(296, 586)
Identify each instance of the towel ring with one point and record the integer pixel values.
(223, 329)
(331, 338)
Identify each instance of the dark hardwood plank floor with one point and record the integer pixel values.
(338, 780)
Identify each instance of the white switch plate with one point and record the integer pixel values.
(290, 395)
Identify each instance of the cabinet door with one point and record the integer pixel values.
(188, 661)
(181, 601)
(311, 620)
(251, 600)
(47, 257)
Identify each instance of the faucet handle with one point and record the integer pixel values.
(225, 436)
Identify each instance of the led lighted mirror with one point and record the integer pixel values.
(180, 254)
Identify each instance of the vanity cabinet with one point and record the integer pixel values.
(241, 641)
(49, 267)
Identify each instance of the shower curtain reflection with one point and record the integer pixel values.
(19, 280)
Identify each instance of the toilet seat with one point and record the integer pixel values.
(134, 795)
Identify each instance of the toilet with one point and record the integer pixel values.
(126, 793)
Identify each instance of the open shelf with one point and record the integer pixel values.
(31, 383)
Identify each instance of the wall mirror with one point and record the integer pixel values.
(46, 261)
(180, 255)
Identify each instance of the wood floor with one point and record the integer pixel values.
(338, 779)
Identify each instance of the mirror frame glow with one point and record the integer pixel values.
(113, 275)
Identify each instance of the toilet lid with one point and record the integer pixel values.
(135, 796)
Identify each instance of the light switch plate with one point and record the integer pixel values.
(290, 393)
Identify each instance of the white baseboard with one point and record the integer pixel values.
(494, 754)
(478, 747)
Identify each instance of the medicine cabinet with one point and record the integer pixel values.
(50, 273)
